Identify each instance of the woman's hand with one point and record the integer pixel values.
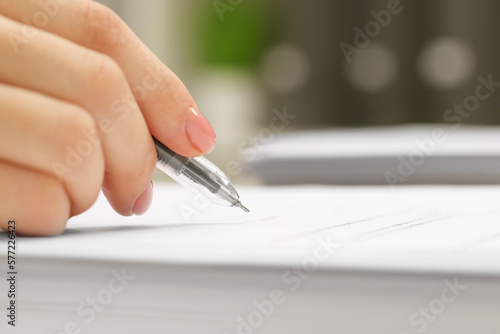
(80, 97)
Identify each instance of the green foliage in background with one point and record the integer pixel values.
(230, 35)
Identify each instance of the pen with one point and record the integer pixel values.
(199, 175)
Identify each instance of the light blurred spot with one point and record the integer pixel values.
(373, 69)
(285, 69)
(447, 63)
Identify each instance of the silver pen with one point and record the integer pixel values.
(199, 175)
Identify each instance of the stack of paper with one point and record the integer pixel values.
(304, 260)
(412, 154)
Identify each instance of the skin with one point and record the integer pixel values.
(82, 82)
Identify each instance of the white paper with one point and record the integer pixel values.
(422, 154)
(466, 141)
(417, 228)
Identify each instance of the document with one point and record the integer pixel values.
(395, 155)
(305, 259)
(449, 229)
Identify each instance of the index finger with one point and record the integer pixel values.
(169, 110)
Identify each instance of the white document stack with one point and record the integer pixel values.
(411, 154)
(304, 260)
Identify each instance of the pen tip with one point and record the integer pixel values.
(238, 204)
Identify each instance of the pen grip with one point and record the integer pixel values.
(192, 173)
(199, 175)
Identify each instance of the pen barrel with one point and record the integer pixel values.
(197, 174)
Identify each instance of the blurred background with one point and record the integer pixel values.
(331, 63)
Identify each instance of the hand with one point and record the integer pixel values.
(80, 97)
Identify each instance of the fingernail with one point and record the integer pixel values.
(199, 131)
(143, 202)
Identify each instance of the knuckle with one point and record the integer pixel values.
(103, 26)
(81, 154)
(74, 125)
(104, 79)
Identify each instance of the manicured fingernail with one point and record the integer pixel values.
(143, 202)
(199, 131)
